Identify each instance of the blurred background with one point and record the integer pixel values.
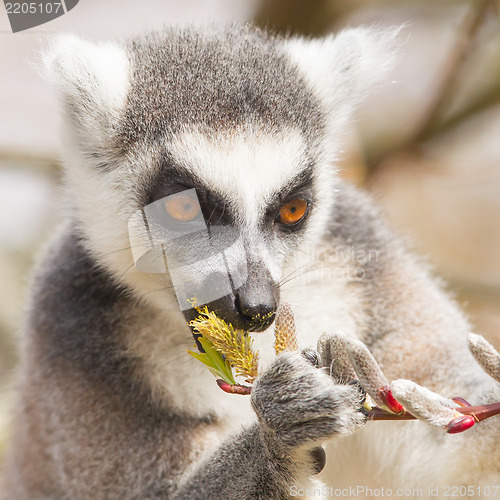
(427, 143)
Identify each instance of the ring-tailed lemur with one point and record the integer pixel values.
(231, 135)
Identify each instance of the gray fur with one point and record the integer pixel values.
(321, 408)
(295, 404)
(216, 78)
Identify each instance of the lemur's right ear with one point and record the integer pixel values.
(92, 78)
(342, 68)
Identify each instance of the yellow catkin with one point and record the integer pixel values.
(285, 337)
(234, 344)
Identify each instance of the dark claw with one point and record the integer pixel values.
(319, 459)
(360, 389)
(312, 356)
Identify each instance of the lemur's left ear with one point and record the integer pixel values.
(92, 79)
(343, 68)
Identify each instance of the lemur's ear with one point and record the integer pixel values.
(343, 68)
(92, 78)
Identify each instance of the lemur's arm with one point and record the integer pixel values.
(245, 467)
(298, 406)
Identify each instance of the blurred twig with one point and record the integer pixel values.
(476, 106)
(318, 17)
(41, 164)
(433, 121)
(444, 94)
(308, 17)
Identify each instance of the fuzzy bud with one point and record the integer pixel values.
(431, 407)
(486, 355)
(285, 337)
(370, 375)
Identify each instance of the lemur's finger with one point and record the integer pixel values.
(370, 375)
(486, 355)
(312, 356)
(333, 356)
(431, 407)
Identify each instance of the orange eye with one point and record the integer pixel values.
(293, 211)
(182, 208)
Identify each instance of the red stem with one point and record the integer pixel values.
(480, 413)
(234, 389)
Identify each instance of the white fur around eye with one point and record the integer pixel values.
(246, 167)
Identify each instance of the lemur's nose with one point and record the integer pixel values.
(257, 301)
(260, 315)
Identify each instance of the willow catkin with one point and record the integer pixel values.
(370, 375)
(333, 354)
(425, 404)
(285, 333)
(235, 345)
(485, 354)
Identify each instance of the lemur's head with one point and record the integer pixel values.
(200, 160)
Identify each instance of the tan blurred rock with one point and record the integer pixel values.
(447, 200)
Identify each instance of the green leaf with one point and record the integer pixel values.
(221, 365)
(214, 361)
(215, 357)
(208, 363)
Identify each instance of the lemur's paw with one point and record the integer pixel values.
(299, 403)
